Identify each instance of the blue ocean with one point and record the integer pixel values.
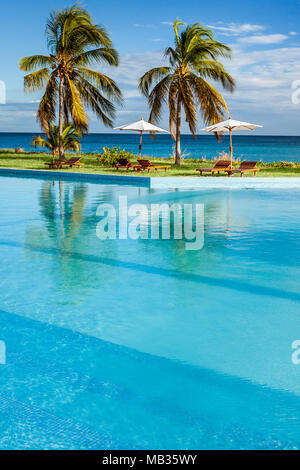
(250, 147)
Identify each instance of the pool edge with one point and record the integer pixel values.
(224, 182)
(166, 183)
(88, 177)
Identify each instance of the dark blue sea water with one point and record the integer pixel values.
(250, 147)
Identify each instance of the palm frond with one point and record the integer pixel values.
(173, 101)
(221, 49)
(216, 71)
(157, 97)
(195, 33)
(212, 104)
(52, 32)
(98, 103)
(32, 62)
(35, 81)
(103, 83)
(176, 25)
(188, 103)
(46, 111)
(77, 111)
(150, 77)
(40, 141)
(172, 55)
(102, 54)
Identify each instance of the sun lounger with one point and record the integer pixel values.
(125, 163)
(147, 165)
(221, 165)
(74, 161)
(244, 168)
(51, 164)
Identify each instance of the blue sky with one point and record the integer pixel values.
(264, 36)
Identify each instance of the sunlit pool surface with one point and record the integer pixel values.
(140, 344)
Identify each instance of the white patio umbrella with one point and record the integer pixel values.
(141, 126)
(231, 125)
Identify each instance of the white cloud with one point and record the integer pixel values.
(131, 93)
(293, 33)
(263, 81)
(139, 25)
(264, 39)
(15, 115)
(236, 28)
(133, 66)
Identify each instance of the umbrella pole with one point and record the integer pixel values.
(140, 147)
(231, 148)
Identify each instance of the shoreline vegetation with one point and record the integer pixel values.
(92, 164)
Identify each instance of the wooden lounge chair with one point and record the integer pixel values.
(221, 165)
(55, 164)
(147, 165)
(125, 163)
(74, 161)
(244, 168)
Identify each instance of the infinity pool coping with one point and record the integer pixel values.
(223, 182)
(167, 182)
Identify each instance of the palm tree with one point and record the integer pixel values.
(70, 138)
(74, 43)
(184, 83)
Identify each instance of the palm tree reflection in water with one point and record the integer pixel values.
(62, 209)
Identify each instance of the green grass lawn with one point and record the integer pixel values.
(36, 161)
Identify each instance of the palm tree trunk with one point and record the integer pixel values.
(178, 125)
(60, 119)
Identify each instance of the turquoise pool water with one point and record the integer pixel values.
(140, 344)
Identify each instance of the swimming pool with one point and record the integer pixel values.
(140, 344)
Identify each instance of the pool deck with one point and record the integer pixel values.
(179, 182)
